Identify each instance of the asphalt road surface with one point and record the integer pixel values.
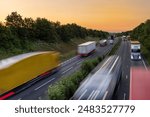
(122, 92)
(101, 82)
(39, 89)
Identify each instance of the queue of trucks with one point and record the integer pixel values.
(21, 69)
(87, 48)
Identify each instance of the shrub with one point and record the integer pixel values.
(66, 87)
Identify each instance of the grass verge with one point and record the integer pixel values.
(66, 87)
(66, 50)
(115, 48)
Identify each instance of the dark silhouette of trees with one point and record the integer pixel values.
(18, 31)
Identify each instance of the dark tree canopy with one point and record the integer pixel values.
(18, 31)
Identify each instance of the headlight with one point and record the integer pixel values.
(139, 57)
(131, 57)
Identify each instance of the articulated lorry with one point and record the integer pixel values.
(19, 71)
(135, 50)
(103, 42)
(87, 48)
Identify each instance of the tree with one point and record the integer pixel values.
(14, 20)
(45, 30)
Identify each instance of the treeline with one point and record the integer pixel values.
(142, 33)
(18, 32)
(126, 33)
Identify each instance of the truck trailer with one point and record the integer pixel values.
(103, 42)
(111, 41)
(86, 48)
(18, 70)
(100, 84)
(135, 50)
(139, 84)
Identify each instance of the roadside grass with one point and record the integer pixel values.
(115, 48)
(66, 50)
(66, 87)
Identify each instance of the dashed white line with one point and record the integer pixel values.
(68, 60)
(82, 94)
(96, 94)
(105, 95)
(93, 95)
(44, 84)
(144, 64)
(79, 63)
(124, 96)
(113, 65)
(67, 70)
(90, 95)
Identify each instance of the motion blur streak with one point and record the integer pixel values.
(101, 83)
(139, 83)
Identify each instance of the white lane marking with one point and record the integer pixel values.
(124, 96)
(113, 65)
(126, 76)
(106, 51)
(105, 95)
(93, 95)
(19, 98)
(105, 63)
(79, 62)
(96, 95)
(82, 94)
(44, 84)
(90, 95)
(144, 64)
(67, 70)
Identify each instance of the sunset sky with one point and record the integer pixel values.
(108, 15)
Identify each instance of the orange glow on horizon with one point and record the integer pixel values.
(108, 15)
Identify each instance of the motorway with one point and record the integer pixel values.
(39, 89)
(97, 91)
(122, 92)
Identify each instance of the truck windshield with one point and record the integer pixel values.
(135, 50)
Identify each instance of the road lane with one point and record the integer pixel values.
(122, 92)
(72, 64)
(100, 84)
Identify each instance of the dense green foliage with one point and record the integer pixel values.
(17, 33)
(66, 87)
(123, 33)
(142, 33)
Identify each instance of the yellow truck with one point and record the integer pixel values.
(20, 69)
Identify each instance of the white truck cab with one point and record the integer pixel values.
(135, 50)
